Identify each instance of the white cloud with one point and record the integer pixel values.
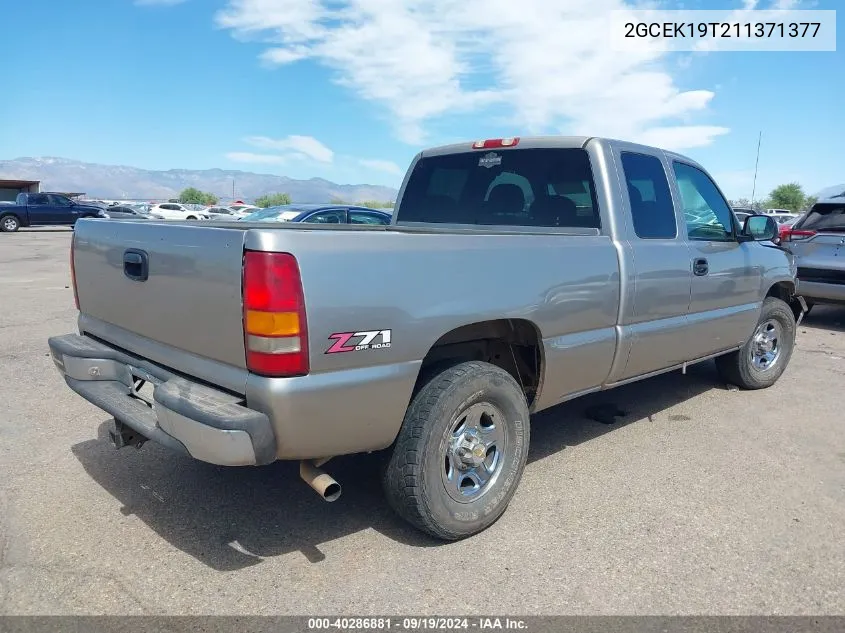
(250, 157)
(387, 166)
(682, 137)
(298, 146)
(548, 63)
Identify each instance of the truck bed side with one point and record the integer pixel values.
(423, 285)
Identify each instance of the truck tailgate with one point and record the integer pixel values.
(191, 297)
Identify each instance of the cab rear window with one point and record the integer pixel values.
(515, 187)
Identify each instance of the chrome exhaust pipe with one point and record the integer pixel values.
(322, 483)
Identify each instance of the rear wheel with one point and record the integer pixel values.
(191, 217)
(764, 357)
(9, 223)
(460, 452)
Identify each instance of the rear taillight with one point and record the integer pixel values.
(73, 273)
(275, 329)
(796, 235)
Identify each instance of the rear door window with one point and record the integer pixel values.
(363, 217)
(59, 201)
(37, 199)
(652, 210)
(333, 216)
(513, 187)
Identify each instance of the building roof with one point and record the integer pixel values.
(17, 184)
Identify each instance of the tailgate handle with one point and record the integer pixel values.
(136, 265)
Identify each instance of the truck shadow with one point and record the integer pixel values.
(232, 518)
(825, 317)
(577, 421)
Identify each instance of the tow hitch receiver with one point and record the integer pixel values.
(122, 435)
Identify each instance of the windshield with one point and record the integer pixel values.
(824, 217)
(525, 187)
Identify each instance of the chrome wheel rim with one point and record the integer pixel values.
(9, 224)
(473, 456)
(766, 345)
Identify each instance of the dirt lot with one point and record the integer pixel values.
(701, 500)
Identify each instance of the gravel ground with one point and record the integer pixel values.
(701, 500)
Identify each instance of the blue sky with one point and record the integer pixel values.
(349, 90)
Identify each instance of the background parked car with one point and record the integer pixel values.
(248, 208)
(126, 212)
(743, 212)
(784, 227)
(176, 211)
(224, 213)
(319, 214)
(140, 207)
(781, 215)
(818, 242)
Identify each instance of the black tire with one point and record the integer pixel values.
(190, 217)
(9, 223)
(739, 368)
(418, 470)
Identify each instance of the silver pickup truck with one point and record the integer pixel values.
(516, 274)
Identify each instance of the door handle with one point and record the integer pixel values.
(136, 265)
(700, 267)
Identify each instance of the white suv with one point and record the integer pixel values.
(175, 211)
(781, 215)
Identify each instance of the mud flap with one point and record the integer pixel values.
(799, 300)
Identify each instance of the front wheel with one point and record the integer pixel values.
(9, 224)
(460, 452)
(191, 217)
(761, 361)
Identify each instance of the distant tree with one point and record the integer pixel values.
(335, 200)
(191, 195)
(272, 200)
(789, 196)
(376, 204)
(745, 203)
(809, 201)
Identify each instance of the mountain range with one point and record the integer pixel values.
(121, 182)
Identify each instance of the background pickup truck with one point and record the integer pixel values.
(516, 274)
(40, 209)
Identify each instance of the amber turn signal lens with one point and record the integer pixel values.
(272, 323)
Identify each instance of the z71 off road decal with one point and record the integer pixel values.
(357, 341)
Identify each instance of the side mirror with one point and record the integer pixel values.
(760, 228)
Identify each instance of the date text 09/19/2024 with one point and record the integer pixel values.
(416, 624)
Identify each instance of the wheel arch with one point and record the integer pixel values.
(21, 220)
(515, 345)
(785, 291)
